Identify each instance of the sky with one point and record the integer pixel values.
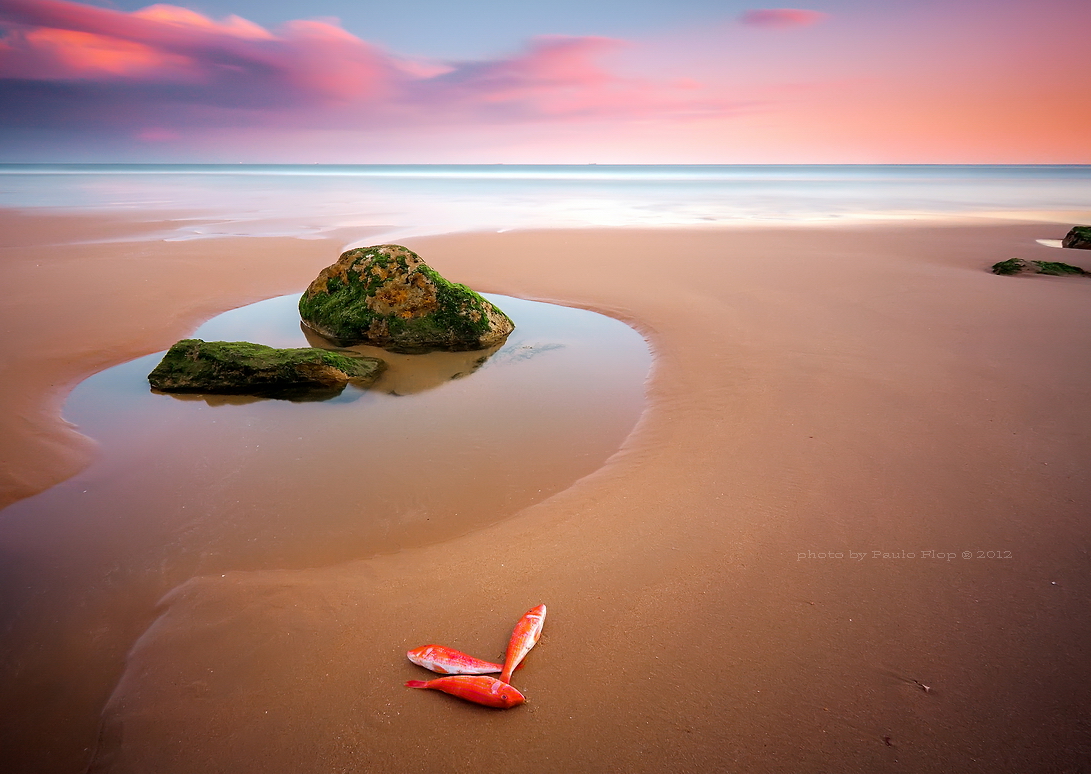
(569, 81)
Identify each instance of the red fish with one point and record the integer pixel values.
(523, 638)
(476, 688)
(448, 661)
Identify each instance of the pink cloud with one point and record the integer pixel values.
(171, 65)
(58, 54)
(60, 40)
(232, 25)
(782, 17)
(561, 77)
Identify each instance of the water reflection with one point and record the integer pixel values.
(307, 394)
(407, 374)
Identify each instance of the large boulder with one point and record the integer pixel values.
(242, 368)
(1079, 237)
(386, 296)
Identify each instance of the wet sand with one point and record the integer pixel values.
(816, 391)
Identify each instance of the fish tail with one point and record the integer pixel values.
(505, 676)
(416, 684)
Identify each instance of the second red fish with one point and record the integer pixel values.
(523, 638)
(476, 688)
(448, 661)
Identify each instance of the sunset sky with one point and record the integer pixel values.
(569, 81)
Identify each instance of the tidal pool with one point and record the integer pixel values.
(443, 445)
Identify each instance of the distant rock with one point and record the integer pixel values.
(242, 368)
(386, 296)
(1079, 237)
(1011, 266)
(1059, 269)
(1019, 266)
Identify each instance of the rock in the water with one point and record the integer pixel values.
(1019, 266)
(242, 368)
(388, 297)
(1079, 237)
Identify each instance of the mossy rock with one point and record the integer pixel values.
(386, 296)
(1058, 269)
(1054, 268)
(242, 368)
(1079, 238)
(1010, 267)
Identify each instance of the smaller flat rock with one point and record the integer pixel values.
(242, 368)
(1014, 266)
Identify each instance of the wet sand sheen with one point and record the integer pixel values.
(814, 390)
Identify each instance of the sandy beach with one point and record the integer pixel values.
(849, 532)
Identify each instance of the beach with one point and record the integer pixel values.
(848, 532)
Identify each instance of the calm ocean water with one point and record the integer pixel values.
(402, 200)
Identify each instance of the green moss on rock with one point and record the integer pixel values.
(1019, 266)
(386, 296)
(1079, 238)
(1010, 266)
(242, 368)
(1058, 269)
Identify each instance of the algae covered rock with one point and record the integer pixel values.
(1079, 237)
(1019, 266)
(242, 368)
(386, 296)
(1058, 269)
(1011, 266)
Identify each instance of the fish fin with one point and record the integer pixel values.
(416, 684)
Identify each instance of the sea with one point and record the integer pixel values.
(209, 200)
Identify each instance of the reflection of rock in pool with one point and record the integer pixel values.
(409, 374)
(310, 395)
